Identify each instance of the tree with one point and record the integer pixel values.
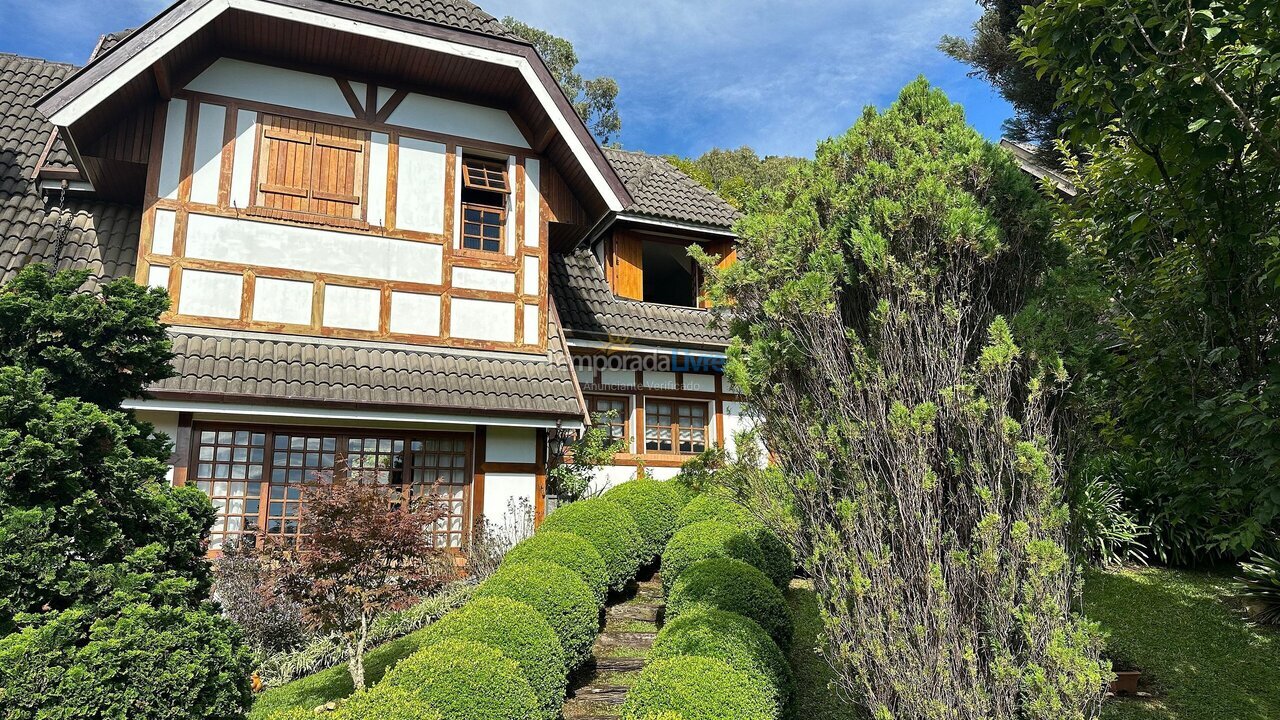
(736, 175)
(1037, 116)
(1178, 219)
(363, 552)
(595, 100)
(912, 434)
(103, 561)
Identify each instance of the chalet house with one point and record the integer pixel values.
(390, 243)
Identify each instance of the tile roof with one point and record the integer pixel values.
(451, 13)
(591, 310)
(104, 238)
(276, 368)
(662, 191)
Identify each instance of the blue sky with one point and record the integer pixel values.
(778, 76)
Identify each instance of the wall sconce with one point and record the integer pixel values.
(558, 441)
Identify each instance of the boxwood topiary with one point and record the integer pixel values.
(463, 681)
(734, 586)
(727, 636)
(654, 505)
(522, 634)
(779, 563)
(708, 539)
(696, 688)
(607, 526)
(565, 550)
(714, 506)
(386, 703)
(564, 601)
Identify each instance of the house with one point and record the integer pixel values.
(391, 245)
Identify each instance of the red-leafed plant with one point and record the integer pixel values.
(364, 552)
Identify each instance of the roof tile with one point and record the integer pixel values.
(661, 190)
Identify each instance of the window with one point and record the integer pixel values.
(612, 411)
(257, 478)
(485, 192)
(308, 169)
(675, 427)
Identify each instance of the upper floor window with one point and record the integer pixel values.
(486, 187)
(611, 412)
(311, 171)
(678, 427)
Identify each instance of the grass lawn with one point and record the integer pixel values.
(335, 683)
(1183, 630)
(814, 700)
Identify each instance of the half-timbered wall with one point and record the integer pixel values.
(284, 201)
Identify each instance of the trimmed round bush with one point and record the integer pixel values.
(696, 688)
(655, 506)
(708, 539)
(463, 681)
(559, 595)
(714, 506)
(609, 527)
(779, 563)
(734, 586)
(738, 641)
(519, 632)
(389, 703)
(565, 550)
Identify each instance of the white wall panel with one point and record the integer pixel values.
(242, 162)
(623, 378)
(415, 314)
(511, 445)
(653, 379)
(500, 490)
(454, 118)
(158, 277)
(351, 308)
(700, 383)
(175, 127)
(420, 194)
(532, 202)
(483, 320)
(206, 174)
(273, 85)
(586, 376)
(477, 279)
(532, 319)
(312, 249)
(282, 301)
(532, 275)
(378, 178)
(611, 476)
(162, 235)
(210, 294)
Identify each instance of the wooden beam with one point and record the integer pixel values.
(384, 113)
(164, 83)
(181, 459)
(349, 93)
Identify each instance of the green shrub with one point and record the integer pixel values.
(144, 662)
(463, 681)
(708, 539)
(1260, 587)
(522, 634)
(654, 505)
(734, 586)
(696, 688)
(779, 563)
(714, 506)
(738, 641)
(559, 595)
(298, 714)
(607, 526)
(389, 703)
(566, 550)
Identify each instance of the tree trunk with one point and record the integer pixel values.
(355, 654)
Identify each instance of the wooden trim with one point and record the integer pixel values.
(181, 458)
(479, 448)
(387, 110)
(349, 94)
(540, 479)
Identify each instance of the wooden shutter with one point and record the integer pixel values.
(727, 251)
(311, 168)
(626, 266)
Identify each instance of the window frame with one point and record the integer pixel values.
(488, 166)
(340, 473)
(708, 412)
(502, 231)
(504, 209)
(624, 419)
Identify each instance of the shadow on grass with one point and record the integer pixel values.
(815, 698)
(1206, 662)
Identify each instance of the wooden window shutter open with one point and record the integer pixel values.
(311, 168)
(626, 267)
(727, 251)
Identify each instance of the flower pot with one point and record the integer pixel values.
(1126, 683)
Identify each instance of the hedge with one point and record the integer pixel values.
(714, 506)
(463, 681)
(738, 641)
(695, 688)
(734, 586)
(708, 539)
(654, 505)
(384, 703)
(607, 526)
(559, 595)
(565, 550)
(779, 563)
(519, 632)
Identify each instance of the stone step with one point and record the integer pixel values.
(643, 640)
(588, 710)
(602, 694)
(641, 612)
(619, 664)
